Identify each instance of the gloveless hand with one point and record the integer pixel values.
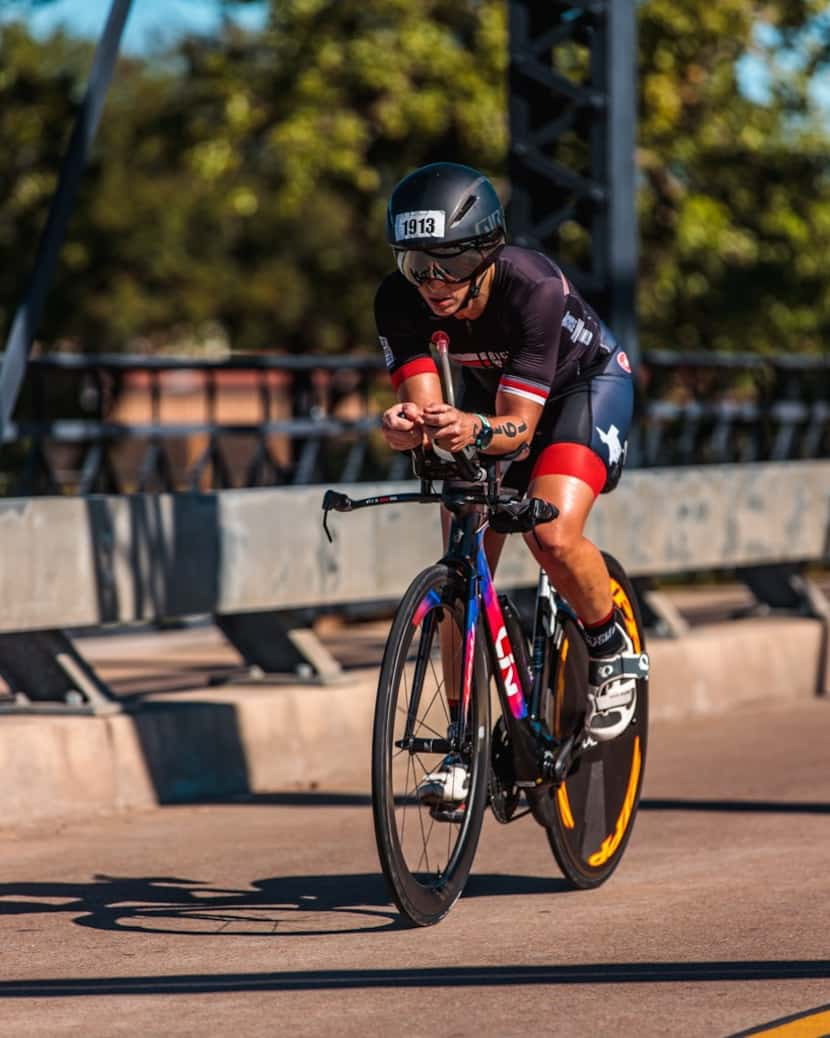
(402, 426)
(448, 427)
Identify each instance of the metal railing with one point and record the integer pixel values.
(700, 408)
(124, 424)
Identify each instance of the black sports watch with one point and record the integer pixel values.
(484, 436)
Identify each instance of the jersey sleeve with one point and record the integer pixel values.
(536, 327)
(405, 346)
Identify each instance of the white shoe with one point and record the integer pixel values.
(447, 785)
(612, 691)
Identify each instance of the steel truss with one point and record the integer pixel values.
(572, 125)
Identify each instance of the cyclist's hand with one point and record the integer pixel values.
(402, 426)
(450, 428)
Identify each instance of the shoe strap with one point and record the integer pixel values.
(626, 665)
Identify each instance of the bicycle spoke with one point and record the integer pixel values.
(417, 757)
(421, 725)
(441, 682)
(425, 852)
(403, 809)
(426, 860)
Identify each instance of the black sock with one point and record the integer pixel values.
(604, 637)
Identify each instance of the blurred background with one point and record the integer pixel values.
(230, 226)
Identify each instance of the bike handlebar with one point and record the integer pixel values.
(505, 515)
(469, 466)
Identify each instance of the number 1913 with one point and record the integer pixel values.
(418, 225)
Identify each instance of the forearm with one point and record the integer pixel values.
(453, 429)
(510, 431)
(422, 389)
(513, 424)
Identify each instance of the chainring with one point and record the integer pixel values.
(504, 793)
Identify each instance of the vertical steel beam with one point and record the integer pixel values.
(572, 109)
(622, 232)
(27, 317)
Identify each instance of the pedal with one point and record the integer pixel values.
(449, 814)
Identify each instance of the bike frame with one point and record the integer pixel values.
(519, 693)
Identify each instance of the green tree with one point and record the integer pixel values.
(239, 183)
(38, 94)
(310, 126)
(735, 199)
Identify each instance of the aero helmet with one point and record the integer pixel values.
(444, 221)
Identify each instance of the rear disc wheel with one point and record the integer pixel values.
(595, 807)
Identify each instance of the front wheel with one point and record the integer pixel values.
(426, 854)
(595, 807)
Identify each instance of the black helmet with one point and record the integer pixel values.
(446, 221)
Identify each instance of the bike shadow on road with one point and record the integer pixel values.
(282, 906)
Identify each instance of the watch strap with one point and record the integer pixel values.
(484, 436)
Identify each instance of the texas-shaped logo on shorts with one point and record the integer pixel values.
(611, 439)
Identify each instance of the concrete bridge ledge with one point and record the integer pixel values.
(236, 739)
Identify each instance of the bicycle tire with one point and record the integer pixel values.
(594, 809)
(425, 882)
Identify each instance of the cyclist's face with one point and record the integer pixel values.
(443, 297)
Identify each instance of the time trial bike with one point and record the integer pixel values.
(453, 636)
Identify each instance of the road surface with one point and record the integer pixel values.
(267, 916)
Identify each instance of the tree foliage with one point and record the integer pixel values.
(735, 199)
(238, 184)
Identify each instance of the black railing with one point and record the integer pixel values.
(700, 408)
(122, 424)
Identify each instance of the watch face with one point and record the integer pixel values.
(485, 436)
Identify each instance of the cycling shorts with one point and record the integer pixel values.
(583, 430)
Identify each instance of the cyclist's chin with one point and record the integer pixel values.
(443, 306)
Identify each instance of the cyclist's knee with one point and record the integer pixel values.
(556, 542)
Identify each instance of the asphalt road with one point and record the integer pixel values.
(268, 916)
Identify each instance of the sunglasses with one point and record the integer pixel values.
(453, 265)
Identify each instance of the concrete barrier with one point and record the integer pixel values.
(74, 563)
(113, 560)
(238, 739)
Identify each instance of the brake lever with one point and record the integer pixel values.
(334, 501)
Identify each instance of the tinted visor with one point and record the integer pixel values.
(453, 264)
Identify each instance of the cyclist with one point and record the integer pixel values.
(539, 371)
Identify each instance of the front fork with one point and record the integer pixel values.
(458, 693)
